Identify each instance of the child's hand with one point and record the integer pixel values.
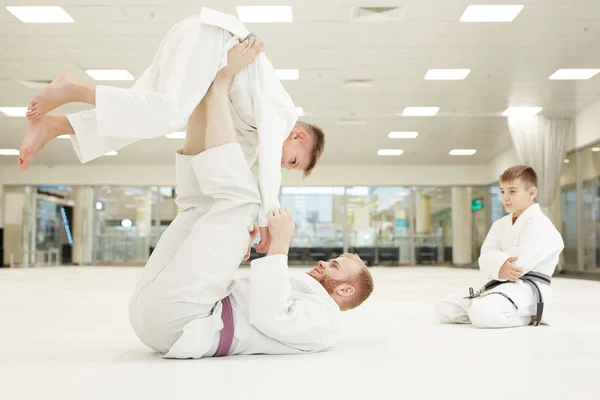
(265, 240)
(253, 234)
(510, 271)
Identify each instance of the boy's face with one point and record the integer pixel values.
(516, 196)
(296, 151)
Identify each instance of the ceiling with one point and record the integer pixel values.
(510, 64)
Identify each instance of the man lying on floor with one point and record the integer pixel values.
(187, 303)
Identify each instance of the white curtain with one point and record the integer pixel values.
(541, 142)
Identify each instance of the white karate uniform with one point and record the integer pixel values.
(176, 306)
(166, 94)
(537, 244)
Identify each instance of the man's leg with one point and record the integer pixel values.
(160, 102)
(189, 281)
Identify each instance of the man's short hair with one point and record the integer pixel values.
(523, 172)
(363, 284)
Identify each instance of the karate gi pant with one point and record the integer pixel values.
(194, 262)
(492, 309)
(162, 99)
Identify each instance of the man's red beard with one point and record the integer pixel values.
(328, 283)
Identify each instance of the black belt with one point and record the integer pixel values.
(530, 278)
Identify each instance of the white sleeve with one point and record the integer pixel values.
(307, 322)
(538, 241)
(275, 117)
(492, 257)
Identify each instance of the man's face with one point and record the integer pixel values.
(334, 272)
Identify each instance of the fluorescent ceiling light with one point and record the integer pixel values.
(595, 149)
(176, 135)
(447, 74)
(462, 152)
(265, 13)
(40, 15)
(566, 161)
(64, 137)
(491, 13)
(403, 135)
(390, 152)
(110, 74)
(521, 111)
(288, 74)
(14, 111)
(574, 74)
(111, 153)
(300, 111)
(420, 111)
(9, 152)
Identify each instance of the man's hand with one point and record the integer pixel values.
(281, 227)
(243, 54)
(510, 271)
(265, 240)
(253, 234)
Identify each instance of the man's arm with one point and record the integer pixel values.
(307, 322)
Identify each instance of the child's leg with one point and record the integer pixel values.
(160, 102)
(506, 306)
(453, 309)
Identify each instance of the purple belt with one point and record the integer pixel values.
(226, 337)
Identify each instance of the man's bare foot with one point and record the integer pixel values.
(62, 90)
(39, 132)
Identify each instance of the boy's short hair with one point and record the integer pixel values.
(523, 172)
(319, 145)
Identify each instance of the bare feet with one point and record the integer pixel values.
(39, 132)
(59, 92)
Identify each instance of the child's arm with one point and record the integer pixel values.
(492, 257)
(538, 241)
(275, 117)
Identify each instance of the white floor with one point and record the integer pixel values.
(64, 334)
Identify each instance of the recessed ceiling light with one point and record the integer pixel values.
(521, 111)
(567, 161)
(420, 111)
(64, 137)
(491, 13)
(40, 15)
(403, 135)
(595, 149)
(265, 13)
(350, 121)
(288, 74)
(110, 74)
(176, 135)
(9, 152)
(14, 111)
(462, 152)
(574, 74)
(111, 153)
(390, 152)
(300, 111)
(447, 74)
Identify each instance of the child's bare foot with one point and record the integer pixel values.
(62, 90)
(39, 132)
